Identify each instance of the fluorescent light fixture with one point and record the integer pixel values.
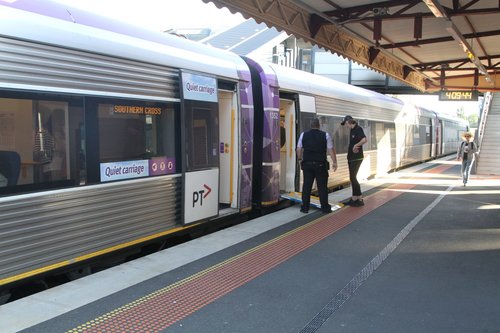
(455, 33)
(438, 11)
(436, 8)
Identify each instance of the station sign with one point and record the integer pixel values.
(458, 95)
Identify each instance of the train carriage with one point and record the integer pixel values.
(398, 133)
(120, 136)
(450, 128)
(112, 136)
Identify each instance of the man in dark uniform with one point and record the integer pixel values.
(311, 149)
(355, 157)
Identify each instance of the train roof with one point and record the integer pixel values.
(312, 84)
(295, 80)
(434, 113)
(455, 119)
(53, 23)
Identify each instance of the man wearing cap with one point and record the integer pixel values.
(355, 157)
(311, 151)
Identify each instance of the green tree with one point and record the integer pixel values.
(461, 113)
(473, 119)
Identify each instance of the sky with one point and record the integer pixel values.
(161, 15)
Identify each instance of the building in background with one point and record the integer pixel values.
(258, 41)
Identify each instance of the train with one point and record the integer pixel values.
(112, 136)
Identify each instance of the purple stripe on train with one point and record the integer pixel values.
(246, 124)
(271, 134)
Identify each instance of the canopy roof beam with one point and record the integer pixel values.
(438, 11)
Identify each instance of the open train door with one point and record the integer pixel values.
(228, 152)
(288, 141)
(296, 120)
(304, 109)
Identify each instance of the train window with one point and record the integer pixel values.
(305, 121)
(202, 135)
(339, 133)
(136, 139)
(416, 135)
(367, 128)
(41, 142)
(425, 134)
(391, 129)
(408, 134)
(341, 139)
(327, 124)
(379, 135)
(383, 135)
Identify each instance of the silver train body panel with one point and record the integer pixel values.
(59, 227)
(101, 35)
(34, 66)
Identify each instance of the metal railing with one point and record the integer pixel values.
(483, 116)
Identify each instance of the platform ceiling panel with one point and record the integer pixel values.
(429, 44)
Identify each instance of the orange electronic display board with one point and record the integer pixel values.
(458, 95)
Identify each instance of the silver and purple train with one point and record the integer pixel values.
(112, 136)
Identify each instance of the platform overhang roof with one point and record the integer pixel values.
(428, 44)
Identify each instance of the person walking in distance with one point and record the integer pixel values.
(355, 157)
(312, 148)
(466, 152)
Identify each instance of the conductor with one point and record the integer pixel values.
(312, 148)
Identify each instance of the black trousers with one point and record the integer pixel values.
(318, 171)
(353, 172)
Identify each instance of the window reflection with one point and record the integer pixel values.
(40, 143)
(50, 140)
(136, 134)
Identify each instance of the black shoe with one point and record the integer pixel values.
(358, 203)
(305, 211)
(327, 210)
(348, 203)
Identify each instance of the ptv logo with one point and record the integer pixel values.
(200, 195)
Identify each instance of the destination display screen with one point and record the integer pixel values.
(458, 95)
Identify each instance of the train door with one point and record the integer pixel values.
(287, 143)
(439, 137)
(433, 131)
(298, 121)
(228, 161)
(200, 119)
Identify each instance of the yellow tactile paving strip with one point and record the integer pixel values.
(164, 307)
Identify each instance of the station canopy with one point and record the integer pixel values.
(429, 44)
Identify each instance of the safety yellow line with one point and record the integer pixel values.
(291, 129)
(245, 210)
(298, 195)
(90, 255)
(231, 159)
(143, 299)
(267, 203)
(158, 292)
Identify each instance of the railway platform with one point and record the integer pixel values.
(422, 255)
